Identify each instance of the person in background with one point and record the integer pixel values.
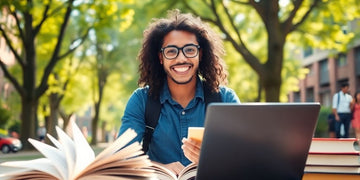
(331, 125)
(355, 107)
(41, 133)
(341, 110)
(178, 54)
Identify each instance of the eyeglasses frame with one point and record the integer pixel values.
(182, 50)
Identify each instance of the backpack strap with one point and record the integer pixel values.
(153, 109)
(338, 95)
(210, 96)
(152, 114)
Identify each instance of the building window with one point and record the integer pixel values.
(311, 70)
(357, 60)
(325, 99)
(310, 95)
(308, 51)
(324, 72)
(341, 60)
(297, 97)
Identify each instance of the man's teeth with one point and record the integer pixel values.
(181, 69)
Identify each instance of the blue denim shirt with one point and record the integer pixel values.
(174, 121)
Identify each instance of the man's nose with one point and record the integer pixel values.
(181, 56)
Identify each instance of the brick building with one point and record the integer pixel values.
(328, 70)
(326, 74)
(6, 56)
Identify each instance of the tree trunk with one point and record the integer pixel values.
(28, 95)
(275, 48)
(66, 118)
(103, 132)
(272, 90)
(102, 79)
(272, 79)
(260, 89)
(53, 119)
(94, 124)
(28, 123)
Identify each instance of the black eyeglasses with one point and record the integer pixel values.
(189, 51)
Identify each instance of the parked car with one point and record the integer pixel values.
(9, 144)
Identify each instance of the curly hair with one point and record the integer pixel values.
(356, 100)
(212, 68)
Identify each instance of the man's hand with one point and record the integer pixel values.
(337, 118)
(191, 149)
(175, 167)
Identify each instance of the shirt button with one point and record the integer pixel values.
(183, 113)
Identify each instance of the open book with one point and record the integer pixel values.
(189, 172)
(73, 158)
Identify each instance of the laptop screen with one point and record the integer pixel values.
(256, 140)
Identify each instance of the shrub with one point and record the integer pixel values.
(5, 115)
(322, 123)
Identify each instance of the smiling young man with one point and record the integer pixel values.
(179, 56)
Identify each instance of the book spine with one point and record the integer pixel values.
(335, 153)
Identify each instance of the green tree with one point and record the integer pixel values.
(4, 116)
(243, 22)
(58, 85)
(106, 55)
(122, 58)
(106, 26)
(33, 19)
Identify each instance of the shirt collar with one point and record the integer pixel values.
(341, 92)
(166, 96)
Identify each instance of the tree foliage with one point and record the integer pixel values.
(83, 53)
(4, 116)
(36, 38)
(260, 30)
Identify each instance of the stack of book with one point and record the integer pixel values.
(332, 158)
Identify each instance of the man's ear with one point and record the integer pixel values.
(161, 58)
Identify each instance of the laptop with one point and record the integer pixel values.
(256, 140)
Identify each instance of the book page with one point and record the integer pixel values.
(188, 172)
(52, 154)
(136, 167)
(333, 145)
(119, 143)
(333, 159)
(333, 169)
(12, 172)
(84, 153)
(67, 146)
(41, 164)
(135, 162)
(33, 174)
(130, 151)
(163, 173)
(115, 161)
(107, 177)
(120, 158)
